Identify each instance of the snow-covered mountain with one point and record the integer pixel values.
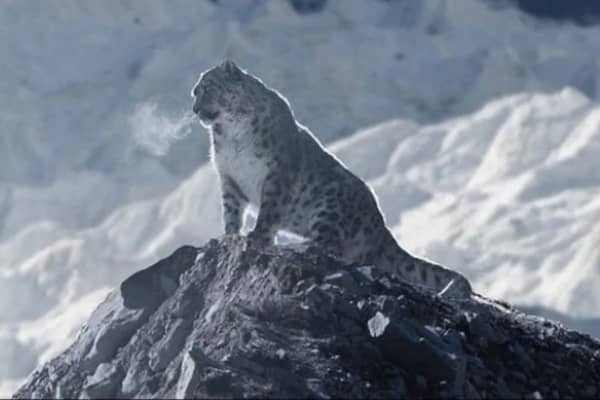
(501, 185)
(75, 73)
(509, 195)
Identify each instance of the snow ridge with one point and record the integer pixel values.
(516, 238)
(502, 186)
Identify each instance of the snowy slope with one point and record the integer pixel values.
(55, 277)
(509, 194)
(92, 92)
(459, 192)
(75, 73)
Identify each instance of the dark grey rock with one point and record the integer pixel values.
(308, 6)
(364, 273)
(454, 338)
(412, 347)
(104, 381)
(149, 287)
(343, 279)
(230, 320)
(480, 327)
(521, 354)
(590, 391)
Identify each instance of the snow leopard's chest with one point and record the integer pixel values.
(236, 157)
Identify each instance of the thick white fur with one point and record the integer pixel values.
(236, 157)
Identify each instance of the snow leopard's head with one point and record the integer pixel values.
(226, 93)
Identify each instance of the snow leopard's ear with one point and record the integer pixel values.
(231, 69)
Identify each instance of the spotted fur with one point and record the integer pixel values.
(267, 159)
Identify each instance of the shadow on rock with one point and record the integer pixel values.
(229, 320)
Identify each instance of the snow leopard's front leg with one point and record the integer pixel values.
(271, 209)
(234, 204)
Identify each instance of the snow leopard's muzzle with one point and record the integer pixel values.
(205, 106)
(204, 110)
(206, 115)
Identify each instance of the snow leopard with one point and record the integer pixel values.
(265, 158)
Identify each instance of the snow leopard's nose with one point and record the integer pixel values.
(195, 91)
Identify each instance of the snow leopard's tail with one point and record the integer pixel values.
(395, 260)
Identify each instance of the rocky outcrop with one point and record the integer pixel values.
(230, 320)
